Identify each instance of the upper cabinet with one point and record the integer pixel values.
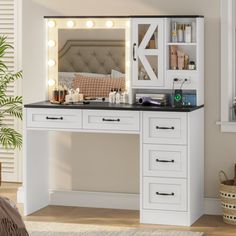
(168, 53)
(148, 52)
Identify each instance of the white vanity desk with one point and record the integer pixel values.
(171, 154)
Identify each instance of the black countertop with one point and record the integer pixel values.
(108, 106)
(130, 16)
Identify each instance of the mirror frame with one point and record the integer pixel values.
(54, 24)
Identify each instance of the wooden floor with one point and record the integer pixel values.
(211, 225)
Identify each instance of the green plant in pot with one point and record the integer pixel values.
(9, 105)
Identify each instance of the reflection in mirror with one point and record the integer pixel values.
(92, 59)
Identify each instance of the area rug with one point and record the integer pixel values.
(64, 229)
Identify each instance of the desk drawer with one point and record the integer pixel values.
(54, 118)
(165, 127)
(165, 161)
(111, 120)
(165, 194)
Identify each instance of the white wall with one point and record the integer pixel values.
(220, 147)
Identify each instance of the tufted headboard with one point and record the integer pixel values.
(100, 56)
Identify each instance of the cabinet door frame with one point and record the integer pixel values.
(140, 52)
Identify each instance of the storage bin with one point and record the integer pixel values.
(228, 198)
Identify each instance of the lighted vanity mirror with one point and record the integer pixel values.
(92, 54)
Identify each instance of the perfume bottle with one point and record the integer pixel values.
(180, 33)
(174, 38)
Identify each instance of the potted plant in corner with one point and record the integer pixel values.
(9, 105)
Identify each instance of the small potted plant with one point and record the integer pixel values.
(9, 105)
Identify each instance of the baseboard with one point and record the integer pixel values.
(212, 206)
(95, 199)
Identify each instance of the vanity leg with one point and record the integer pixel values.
(36, 171)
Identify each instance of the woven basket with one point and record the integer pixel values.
(228, 199)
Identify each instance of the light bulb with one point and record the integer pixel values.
(51, 82)
(51, 23)
(109, 24)
(51, 43)
(51, 63)
(70, 24)
(89, 23)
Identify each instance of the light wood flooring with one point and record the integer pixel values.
(211, 225)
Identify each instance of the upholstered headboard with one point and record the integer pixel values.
(92, 56)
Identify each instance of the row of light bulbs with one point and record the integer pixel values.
(89, 24)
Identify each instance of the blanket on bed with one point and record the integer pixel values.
(11, 223)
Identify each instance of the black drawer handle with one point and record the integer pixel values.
(111, 120)
(165, 194)
(172, 128)
(165, 161)
(134, 57)
(54, 118)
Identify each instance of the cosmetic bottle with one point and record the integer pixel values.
(186, 61)
(111, 96)
(61, 97)
(173, 57)
(180, 33)
(174, 38)
(180, 60)
(124, 97)
(55, 94)
(118, 95)
(188, 34)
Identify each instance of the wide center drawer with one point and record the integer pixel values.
(165, 127)
(165, 160)
(54, 118)
(164, 194)
(111, 120)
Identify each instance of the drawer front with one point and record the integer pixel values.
(165, 194)
(165, 160)
(165, 127)
(111, 120)
(54, 118)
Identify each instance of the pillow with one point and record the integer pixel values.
(116, 74)
(66, 78)
(97, 86)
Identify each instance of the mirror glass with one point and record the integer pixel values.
(92, 59)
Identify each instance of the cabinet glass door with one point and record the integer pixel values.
(148, 61)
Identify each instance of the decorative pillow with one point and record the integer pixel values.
(97, 86)
(116, 74)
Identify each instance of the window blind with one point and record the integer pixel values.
(8, 15)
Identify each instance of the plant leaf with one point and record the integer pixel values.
(10, 138)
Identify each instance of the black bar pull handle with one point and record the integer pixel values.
(165, 161)
(165, 194)
(159, 127)
(111, 120)
(134, 48)
(54, 118)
